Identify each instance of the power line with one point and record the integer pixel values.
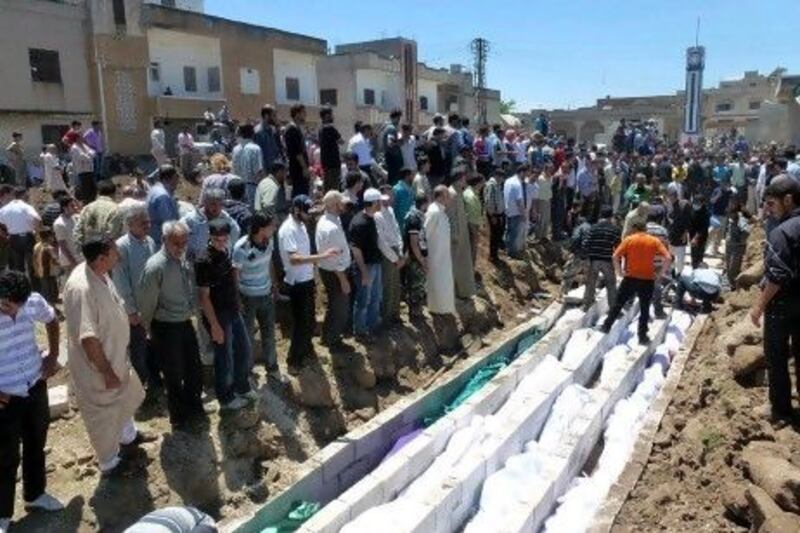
(480, 50)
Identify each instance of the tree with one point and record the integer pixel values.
(507, 106)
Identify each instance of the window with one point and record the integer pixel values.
(45, 66)
(292, 89)
(52, 133)
(369, 97)
(155, 72)
(328, 97)
(725, 106)
(190, 79)
(118, 7)
(755, 105)
(213, 80)
(452, 103)
(423, 103)
(250, 80)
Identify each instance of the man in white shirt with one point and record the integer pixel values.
(390, 242)
(334, 270)
(22, 222)
(52, 169)
(515, 208)
(185, 150)
(298, 263)
(158, 144)
(408, 146)
(361, 145)
(69, 255)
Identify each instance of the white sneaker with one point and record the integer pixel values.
(45, 502)
(250, 395)
(5, 523)
(235, 404)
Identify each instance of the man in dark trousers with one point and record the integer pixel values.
(778, 300)
(598, 245)
(639, 251)
(329, 141)
(295, 140)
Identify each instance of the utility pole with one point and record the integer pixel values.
(480, 51)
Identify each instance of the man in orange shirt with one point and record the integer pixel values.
(639, 250)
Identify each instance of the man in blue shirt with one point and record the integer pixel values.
(161, 203)
(702, 284)
(266, 137)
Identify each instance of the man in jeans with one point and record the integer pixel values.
(599, 244)
(298, 262)
(167, 305)
(24, 411)
(639, 251)
(514, 195)
(778, 300)
(252, 257)
(368, 274)
(334, 270)
(217, 286)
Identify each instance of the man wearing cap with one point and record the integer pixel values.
(334, 270)
(440, 287)
(368, 274)
(298, 263)
(463, 270)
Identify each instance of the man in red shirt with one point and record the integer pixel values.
(639, 250)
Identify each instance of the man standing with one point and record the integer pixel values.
(108, 393)
(368, 275)
(329, 141)
(495, 211)
(515, 209)
(298, 263)
(679, 217)
(720, 199)
(198, 223)
(166, 306)
(639, 251)
(267, 138)
(403, 196)
(271, 193)
(248, 162)
(161, 203)
(158, 144)
(417, 264)
(778, 300)
(83, 167)
(392, 155)
(252, 257)
(16, 158)
(440, 286)
(185, 151)
(334, 270)
(390, 242)
(408, 147)
(101, 217)
(22, 222)
(437, 157)
(24, 409)
(698, 229)
(236, 207)
(96, 141)
(599, 244)
(463, 270)
(360, 145)
(69, 254)
(135, 248)
(296, 153)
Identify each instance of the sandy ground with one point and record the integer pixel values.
(245, 458)
(696, 476)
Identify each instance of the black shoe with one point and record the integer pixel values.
(605, 328)
(660, 315)
(644, 340)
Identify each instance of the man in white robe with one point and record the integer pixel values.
(107, 390)
(440, 287)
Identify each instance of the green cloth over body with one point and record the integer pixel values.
(300, 512)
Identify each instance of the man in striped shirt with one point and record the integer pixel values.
(24, 409)
(599, 244)
(252, 257)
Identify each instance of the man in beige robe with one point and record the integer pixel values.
(463, 271)
(439, 282)
(107, 390)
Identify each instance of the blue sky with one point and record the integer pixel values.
(557, 54)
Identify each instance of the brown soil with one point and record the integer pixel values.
(695, 477)
(248, 457)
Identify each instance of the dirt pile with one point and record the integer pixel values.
(232, 460)
(717, 463)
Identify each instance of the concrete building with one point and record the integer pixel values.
(46, 82)
(737, 104)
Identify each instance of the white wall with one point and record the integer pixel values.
(383, 83)
(290, 64)
(174, 50)
(427, 88)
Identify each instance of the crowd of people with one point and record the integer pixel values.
(151, 287)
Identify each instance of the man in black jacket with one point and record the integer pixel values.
(679, 218)
(698, 228)
(598, 245)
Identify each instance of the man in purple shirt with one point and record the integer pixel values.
(96, 141)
